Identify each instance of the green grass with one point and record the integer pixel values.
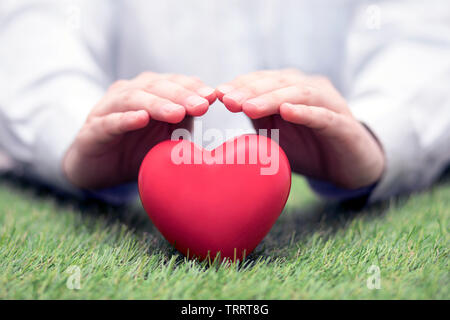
(314, 251)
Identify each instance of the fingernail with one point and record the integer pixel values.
(196, 101)
(236, 96)
(224, 89)
(205, 91)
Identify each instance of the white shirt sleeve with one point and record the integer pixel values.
(55, 64)
(398, 85)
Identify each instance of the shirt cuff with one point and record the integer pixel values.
(118, 195)
(330, 191)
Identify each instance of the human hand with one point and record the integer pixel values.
(132, 117)
(318, 132)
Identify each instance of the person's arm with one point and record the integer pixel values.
(55, 64)
(399, 80)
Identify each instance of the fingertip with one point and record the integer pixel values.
(251, 110)
(196, 106)
(231, 105)
(198, 110)
(208, 93)
(222, 90)
(234, 101)
(212, 98)
(219, 95)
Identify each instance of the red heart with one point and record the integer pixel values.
(203, 209)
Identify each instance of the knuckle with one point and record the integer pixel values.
(296, 90)
(128, 97)
(327, 119)
(118, 84)
(306, 91)
(121, 122)
(283, 81)
(329, 116)
(156, 83)
(161, 82)
(308, 113)
(277, 95)
(250, 89)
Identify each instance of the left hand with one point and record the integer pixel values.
(318, 132)
(133, 116)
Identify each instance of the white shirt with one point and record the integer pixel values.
(390, 59)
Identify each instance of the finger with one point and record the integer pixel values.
(233, 100)
(269, 103)
(194, 104)
(194, 84)
(254, 76)
(108, 128)
(225, 88)
(317, 118)
(198, 92)
(158, 108)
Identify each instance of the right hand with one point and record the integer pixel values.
(318, 132)
(129, 120)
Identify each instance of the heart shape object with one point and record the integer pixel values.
(226, 200)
